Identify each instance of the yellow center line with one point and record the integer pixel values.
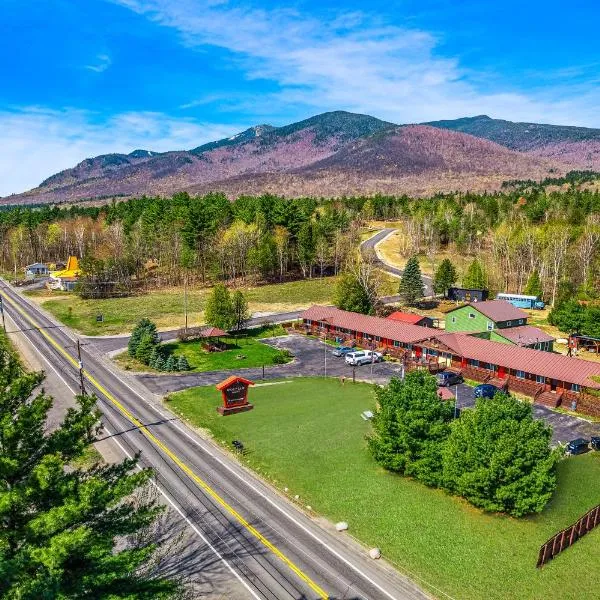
(183, 466)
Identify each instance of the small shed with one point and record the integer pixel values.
(36, 269)
(467, 294)
(411, 319)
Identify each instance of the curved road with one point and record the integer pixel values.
(395, 271)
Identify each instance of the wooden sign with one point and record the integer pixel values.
(235, 395)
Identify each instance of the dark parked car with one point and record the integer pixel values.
(595, 441)
(486, 390)
(578, 446)
(446, 378)
(341, 350)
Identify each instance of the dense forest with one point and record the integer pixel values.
(162, 241)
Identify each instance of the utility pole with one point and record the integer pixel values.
(82, 387)
(185, 300)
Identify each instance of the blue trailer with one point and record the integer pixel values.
(522, 301)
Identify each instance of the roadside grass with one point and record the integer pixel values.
(165, 307)
(244, 350)
(308, 435)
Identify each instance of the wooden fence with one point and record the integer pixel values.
(567, 537)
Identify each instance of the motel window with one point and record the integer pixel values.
(471, 315)
(575, 387)
(540, 379)
(520, 374)
(474, 362)
(396, 343)
(508, 323)
(520, 321)
(377, 338)
(490, 325)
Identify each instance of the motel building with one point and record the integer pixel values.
(550, 379)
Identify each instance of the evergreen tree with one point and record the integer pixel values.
(475, 277)
(182, 363)
(411, 284)
(154, 356)
(444, 277)
(350, 295)
(170, 364)
(534, 285)
(240, 309)
(219, 308)
(66, 531)
(499, 458)
(144, 326)
(145, 347)
(159, 363)
(410, 426)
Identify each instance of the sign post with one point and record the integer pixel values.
(235, 395)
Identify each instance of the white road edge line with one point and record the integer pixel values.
(165, 496)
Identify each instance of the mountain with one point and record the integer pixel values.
(577, 147)
(335, 153)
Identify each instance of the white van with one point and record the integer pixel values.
(363, 357)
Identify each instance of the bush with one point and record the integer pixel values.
(410, 426)
(282, 357)
(498, 457)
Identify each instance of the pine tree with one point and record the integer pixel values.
(475, 277)
(444, 277)
(144, 326)
(154, 356)
(159, 363)
(63, 527)
(534, 285)
(240, 309)
(219, 308)
(145, 347)
(182, 363)
(170, 364)
(411, 284)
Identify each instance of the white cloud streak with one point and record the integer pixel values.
(36, 142)
(357, 62)
(104, 61)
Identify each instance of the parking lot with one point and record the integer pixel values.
(314, 358)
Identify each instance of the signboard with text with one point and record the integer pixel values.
(234, 391)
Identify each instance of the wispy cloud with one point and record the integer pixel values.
(103, 62)
(37, 142)
(357, 61)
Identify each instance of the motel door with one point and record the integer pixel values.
(501, 372)
(553, 384)
(418, 351)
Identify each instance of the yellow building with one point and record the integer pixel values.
(66, 279)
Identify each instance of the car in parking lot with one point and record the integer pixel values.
(363, 357)
(446, 378)
(341, 350)
(595, 442)
(578, 446)
(485, 390)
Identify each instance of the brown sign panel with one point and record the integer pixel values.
(234, 391)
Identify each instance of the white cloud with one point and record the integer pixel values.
(37, 142)
(359, 63)
(103, 62)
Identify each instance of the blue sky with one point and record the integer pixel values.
(81, 78)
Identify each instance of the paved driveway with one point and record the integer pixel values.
(314, 358)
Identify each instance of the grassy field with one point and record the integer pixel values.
(307, 435)
(243, 351)
(165, 307)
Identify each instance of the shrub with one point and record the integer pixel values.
(182, 363)
(171, 364)
(282, 357)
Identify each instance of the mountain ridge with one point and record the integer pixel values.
(332, 147)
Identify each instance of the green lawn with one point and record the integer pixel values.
(307, 435)
(165, 307)
(242, 351)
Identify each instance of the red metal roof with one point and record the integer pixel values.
(537, 362)
(406, 317)
(231, 380)
(496, 310)
(524, 335)
(373, 326)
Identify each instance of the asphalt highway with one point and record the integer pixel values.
(271, 548)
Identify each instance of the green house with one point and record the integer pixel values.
(499, 321)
